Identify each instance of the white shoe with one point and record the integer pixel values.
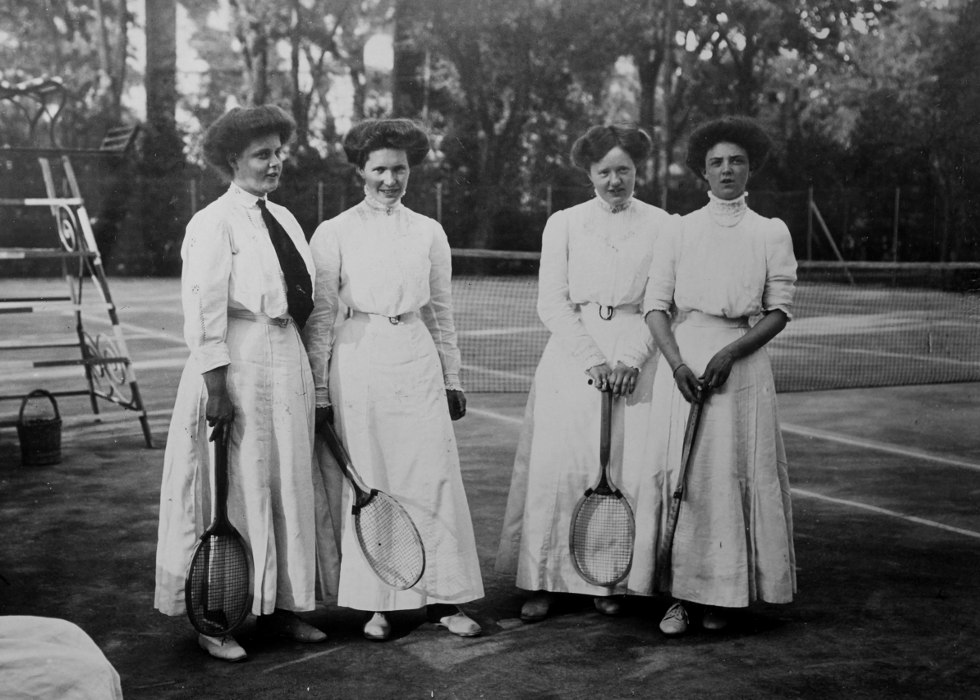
(461, 624)
(377, 628)
(224, 648)
(675, 620)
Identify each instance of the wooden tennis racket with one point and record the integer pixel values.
(218, 591)
(388, 538)
(602, 529)
(664, 551)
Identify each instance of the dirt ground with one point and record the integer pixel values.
(887, 530)
(886, 606)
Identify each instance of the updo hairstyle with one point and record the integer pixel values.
(231, 134)
(594, 144)
(742, 131)
(371, 135)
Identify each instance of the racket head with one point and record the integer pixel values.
(601, 537)
(389, 540)
(217, 590)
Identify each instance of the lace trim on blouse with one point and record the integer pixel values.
(378, 207)
(606, 206)
(727, 212)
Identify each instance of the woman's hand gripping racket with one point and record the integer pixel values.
(602, 529)
(385, 532)
(664, 551)
(218, 591)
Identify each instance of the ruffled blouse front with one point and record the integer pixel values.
(725, 260)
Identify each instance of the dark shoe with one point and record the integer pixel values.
(608, 605)
(224, 648)
(714, 618)
(461, 624)
(675, 621)
(283, 623)
(377, 628)
(536, 607)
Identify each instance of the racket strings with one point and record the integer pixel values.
(390, 542)
(602, 539)
(218, 585)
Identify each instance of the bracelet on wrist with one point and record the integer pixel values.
(678, 367)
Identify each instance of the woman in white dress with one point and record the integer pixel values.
(594, 262)
(388, 373)
(724, 265)
(246, 290)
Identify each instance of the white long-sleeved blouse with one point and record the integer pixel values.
(386, 261)
(593, 254)
(725, 260)
(229, 262)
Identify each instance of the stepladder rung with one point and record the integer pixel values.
(42, 348)
(34, 343)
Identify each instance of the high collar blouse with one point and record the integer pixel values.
(386, 261)
(229, 262)
(725, 260)
(592, 254)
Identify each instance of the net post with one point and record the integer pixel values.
(809, 223)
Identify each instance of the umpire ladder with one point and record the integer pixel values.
(104, 358)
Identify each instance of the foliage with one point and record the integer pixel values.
(869, 94)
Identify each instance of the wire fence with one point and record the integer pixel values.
(139, 219)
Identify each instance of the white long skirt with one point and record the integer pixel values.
(558, 459)
(271, 482)
(387, 387)
(734, 539)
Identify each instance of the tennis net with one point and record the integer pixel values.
(855, 324)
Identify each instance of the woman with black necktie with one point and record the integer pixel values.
(246, 290)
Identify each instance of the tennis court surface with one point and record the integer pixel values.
(886, 489)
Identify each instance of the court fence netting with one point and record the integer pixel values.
(855, 324)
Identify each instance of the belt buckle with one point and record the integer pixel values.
(602, 313)
(395, 320)
(281, 322)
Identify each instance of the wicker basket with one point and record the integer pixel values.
(40, 438)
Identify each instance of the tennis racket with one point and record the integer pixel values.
(217, 591)
(385, 532)
(602, 530)
(664, 552)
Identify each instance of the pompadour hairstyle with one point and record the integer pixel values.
(236, 129)
(371, 135)
(742, 131)
(594, 144)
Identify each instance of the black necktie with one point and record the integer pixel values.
(299, 288)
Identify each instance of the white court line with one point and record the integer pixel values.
(493, 415)
(143, 331)
(305, 658)
(878, 446)
(885, 511)
(513, 330)
(819, 434)
(497, 373)
(789, 343)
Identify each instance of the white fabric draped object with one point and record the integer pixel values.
(594, 264)
(734, 539)
(385, 368)
(43, 658)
